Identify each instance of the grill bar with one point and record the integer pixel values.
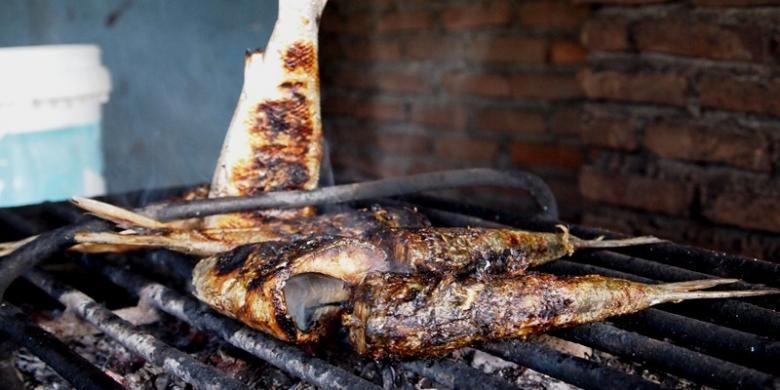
(711, 262)
(671, 273)
(143, 344)
(571, 369)
(671, 358)
(733, 345)
(80, 373)
(286, 357)
(33, 253)
(411, 184)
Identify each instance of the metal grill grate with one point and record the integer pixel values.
(721, 344)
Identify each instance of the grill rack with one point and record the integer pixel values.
(736, 350)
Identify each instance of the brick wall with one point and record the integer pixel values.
(671, 127)
(682, 123)
(414, 86)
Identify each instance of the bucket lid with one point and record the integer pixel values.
(30, 73)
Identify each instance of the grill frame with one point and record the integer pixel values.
(650, 264)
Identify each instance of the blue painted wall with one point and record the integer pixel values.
(176, 66)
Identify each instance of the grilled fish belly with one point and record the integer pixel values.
(292, 291)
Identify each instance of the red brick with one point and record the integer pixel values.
(466, 149)
(727, 239)
(760, 96)
(548, 155)
(441, 116)
(482, 84)
(567, 53)
(406, 21)
(566, 121)
(424, 48)
(347, 138)
(384, 167)
(551, 14)
(661, 88)
(507, 50)
(510, 120)
(403, 144)
(622, 2)
(333, 22)
(378, 110)
(697, 143)
(477, 16)
(374, 50)
(701, 39)
(668, 197)
(546, 86)
(610, 133)
(397, 81)
(605, 34)
(567, 193)
(751, 211)
(735, 3)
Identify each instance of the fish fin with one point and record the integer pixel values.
(118, 215)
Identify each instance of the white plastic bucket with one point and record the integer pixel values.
(50, 101)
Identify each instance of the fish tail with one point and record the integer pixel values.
(682, 291)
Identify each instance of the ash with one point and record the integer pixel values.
(135, 373)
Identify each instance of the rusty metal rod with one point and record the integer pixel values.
(141, 343)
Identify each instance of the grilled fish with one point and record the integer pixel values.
(396, 315)
(293, 290)
(274, 141)
(481, 252)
